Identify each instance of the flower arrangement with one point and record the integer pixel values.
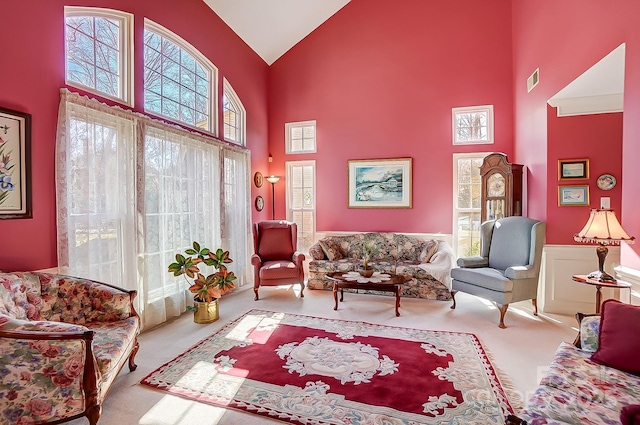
(368, 249)
(213, 286)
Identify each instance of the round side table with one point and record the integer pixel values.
(619, 284)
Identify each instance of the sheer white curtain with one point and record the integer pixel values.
(95, 171)
(132, 192)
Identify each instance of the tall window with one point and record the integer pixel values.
(300, 137)
(97, 53)
(179, 82)
(134, 191)
(301, 200)
(472, 125)
(467, 209)
(234, 115)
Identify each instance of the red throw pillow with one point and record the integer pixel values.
(618, 342)
(630, 415)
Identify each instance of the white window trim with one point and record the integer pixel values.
(454, 218)
(471, 109)
(126, 55)
(205, 62)
(287, 135)
(234, 99)
(288, 166)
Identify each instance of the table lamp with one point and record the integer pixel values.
(604, 229)
(273, 180)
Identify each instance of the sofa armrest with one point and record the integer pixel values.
(473, 262)
(48, 369)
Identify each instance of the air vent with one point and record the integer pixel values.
(533, 80)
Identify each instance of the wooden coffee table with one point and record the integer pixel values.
(340, 282)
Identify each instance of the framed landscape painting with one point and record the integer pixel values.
(15, 145)
(573, 195)
(379, 183)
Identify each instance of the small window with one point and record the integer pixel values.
(472, 125)
(234, 115)
(300, 137)
(179, 82)
(97, 51)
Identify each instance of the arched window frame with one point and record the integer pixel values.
(231, 102)
(124, 53)
(210, 70)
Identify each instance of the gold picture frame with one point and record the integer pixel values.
(379, 183)
(573, 169)
(573, 195)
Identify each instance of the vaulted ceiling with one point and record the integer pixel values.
(271, 27)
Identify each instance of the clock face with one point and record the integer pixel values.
(495, 185)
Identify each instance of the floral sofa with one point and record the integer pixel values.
(584, 384)
(63, 341)
(429, 262)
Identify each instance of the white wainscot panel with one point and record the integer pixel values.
(558, 293)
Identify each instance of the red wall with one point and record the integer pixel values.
(380, 80)
(32, 73)
(596, 137)
(564, 39)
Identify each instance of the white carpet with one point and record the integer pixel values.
(521, 351)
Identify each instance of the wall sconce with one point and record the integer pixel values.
(273, 180)
(270, 158)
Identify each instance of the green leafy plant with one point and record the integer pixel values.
(205, 288)
(368, 249)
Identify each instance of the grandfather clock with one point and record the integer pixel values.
(501, 187)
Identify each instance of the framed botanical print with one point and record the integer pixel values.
(15, 164)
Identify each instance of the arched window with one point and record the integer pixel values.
(179, 82)
(234, 115)
(97, 51)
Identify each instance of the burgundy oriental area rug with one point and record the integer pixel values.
(310, 370)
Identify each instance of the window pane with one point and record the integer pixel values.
(94, 53)
(180, 79)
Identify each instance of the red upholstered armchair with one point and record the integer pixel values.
(276, 261)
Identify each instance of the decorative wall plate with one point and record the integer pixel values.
(606, 182)
(259, 203)
(257, 179)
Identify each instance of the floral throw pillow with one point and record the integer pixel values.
(429, 249)
(316, 252)
(331, 249)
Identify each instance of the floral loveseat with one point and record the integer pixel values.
(429, 262)
(582, 386)
(63, 341)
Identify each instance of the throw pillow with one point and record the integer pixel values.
(429, 249)
(618, 342)
(316, 252)
(630, 415)
(331, 249)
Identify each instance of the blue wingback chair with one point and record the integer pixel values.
(508, 267)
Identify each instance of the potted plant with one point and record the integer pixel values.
(207, 289)
(368, 249)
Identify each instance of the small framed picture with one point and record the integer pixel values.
(573, 169)
(573, 195)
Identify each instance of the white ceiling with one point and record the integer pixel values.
(271, 27)
(598, 90)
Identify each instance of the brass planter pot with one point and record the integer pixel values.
(205, 312)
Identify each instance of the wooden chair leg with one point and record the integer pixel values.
(503, 311)
(535, 306)
(301, 289)
(453, 298)
(256, 292)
